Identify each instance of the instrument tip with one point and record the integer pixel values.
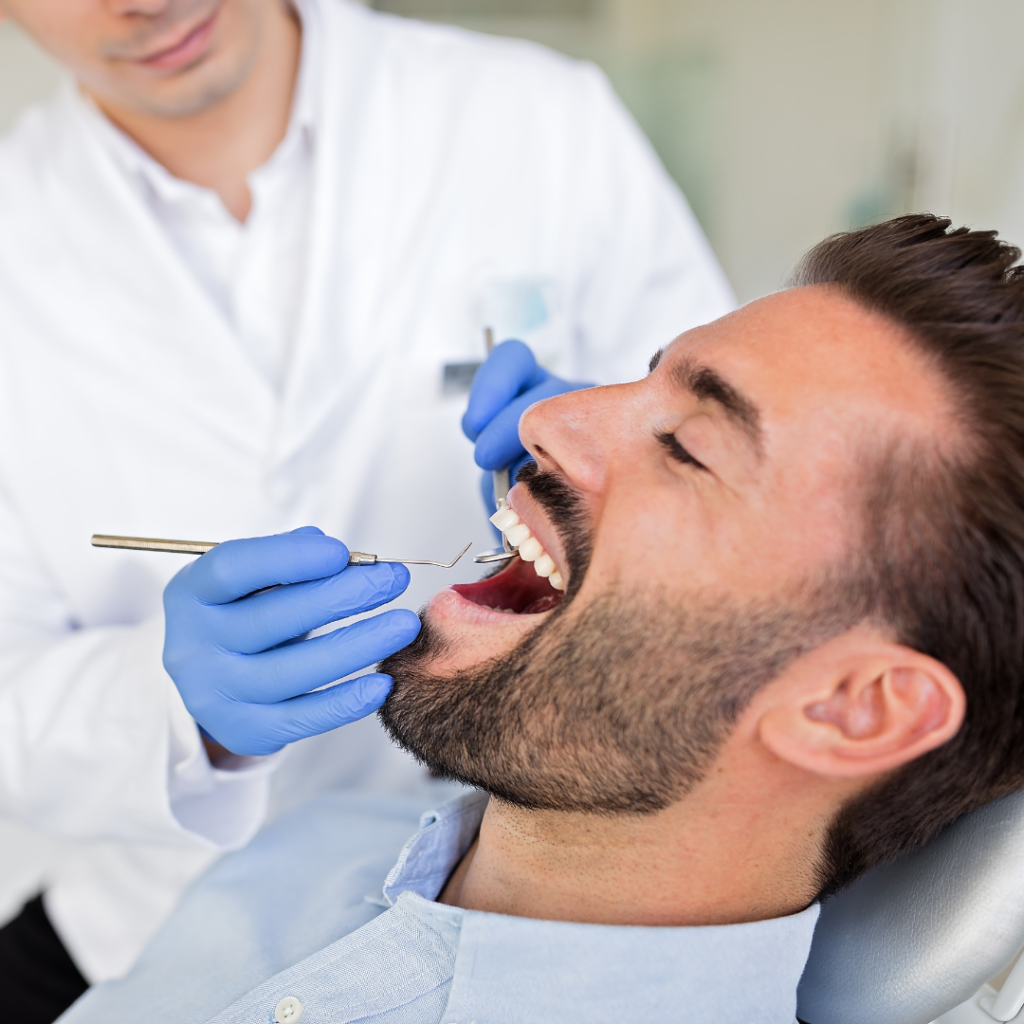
(459, 556)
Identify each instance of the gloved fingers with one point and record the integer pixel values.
(510, 370)
(287, 672)
(324, 710)
(261, 621)
(258, 729)
(498, 444)
(239, 567)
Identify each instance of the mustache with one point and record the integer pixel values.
(565, 509)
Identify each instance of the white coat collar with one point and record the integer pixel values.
(302, 125)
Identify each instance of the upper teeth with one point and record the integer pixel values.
(530, 549)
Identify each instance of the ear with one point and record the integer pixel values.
(859, 705)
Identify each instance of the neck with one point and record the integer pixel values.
(722, 855)
(220, 146)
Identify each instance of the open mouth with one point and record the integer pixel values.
(530, 585)
(516, 590)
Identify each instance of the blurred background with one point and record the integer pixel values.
(782, 121)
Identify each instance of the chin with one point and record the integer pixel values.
(205, 80)
(201, 87)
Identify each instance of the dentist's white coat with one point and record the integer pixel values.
(454, 175)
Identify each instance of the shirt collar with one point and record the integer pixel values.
(523, 969)
(307, 86)
(430, 856)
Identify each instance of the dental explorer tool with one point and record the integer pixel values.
(502, 484)
(200, 547)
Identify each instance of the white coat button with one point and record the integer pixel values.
(288, 1011)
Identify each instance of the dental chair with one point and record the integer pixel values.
(918, 940)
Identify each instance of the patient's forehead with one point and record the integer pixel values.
(813, 358)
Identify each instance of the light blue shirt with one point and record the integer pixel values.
(302, 913)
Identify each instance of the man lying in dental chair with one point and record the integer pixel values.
(790, 646)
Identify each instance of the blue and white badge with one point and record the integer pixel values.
(525, 308)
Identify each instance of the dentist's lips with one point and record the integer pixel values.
(187, 50)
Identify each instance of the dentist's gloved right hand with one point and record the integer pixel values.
(238, 657)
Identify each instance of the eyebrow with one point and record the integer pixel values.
(708, 385)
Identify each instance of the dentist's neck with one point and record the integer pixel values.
(737, 848)
(219, 146)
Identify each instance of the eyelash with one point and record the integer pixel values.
(676, 451)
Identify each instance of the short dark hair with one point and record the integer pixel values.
(942, 561)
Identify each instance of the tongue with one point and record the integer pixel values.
(543, 604)
(517, 588)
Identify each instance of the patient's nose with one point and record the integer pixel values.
(574, 434)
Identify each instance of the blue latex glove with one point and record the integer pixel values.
(507, 384)
(239, 659)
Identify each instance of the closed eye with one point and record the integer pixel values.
(676, 451)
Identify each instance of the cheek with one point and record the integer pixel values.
(685, 539)
(243, 22)
(811, 511)
(646, 535)
(70, 36)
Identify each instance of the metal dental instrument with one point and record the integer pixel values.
(502, 484)
(496, 555)
(200, 547)
(506, 552)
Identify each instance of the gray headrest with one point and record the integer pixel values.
(913, 939)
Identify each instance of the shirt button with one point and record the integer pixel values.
(288, 1011)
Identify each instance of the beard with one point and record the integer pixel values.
(619, 709)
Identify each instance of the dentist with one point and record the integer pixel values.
(247, 255)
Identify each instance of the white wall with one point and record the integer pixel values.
(971, 142)
(26, 73)
(788, 120)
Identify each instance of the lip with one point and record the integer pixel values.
(482, 632)
(533, 515)
(478, 634)
(188, 48)
(451, 604)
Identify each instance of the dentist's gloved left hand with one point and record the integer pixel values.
(238, 657)
(507, 384)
